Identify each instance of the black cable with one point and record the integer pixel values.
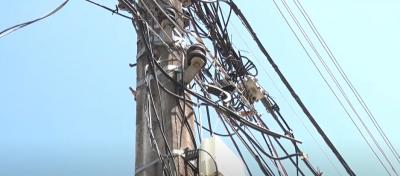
(22, 25)
(262, 158)
(274, 111)
(154, 142)
(213, 132)
(251, 151)
(151, 60)
(215, 162)
(275, 107)
(261, 149)
(291, 90)
(340, 88)
(159, 125)
(209, 120)
(336, 83)
(237, 148)
(183, 90)
(223, 45)
(186, 123)
(109, 9)
(176, 95)
(225, 109)
(270, 150)
(331, 89)
(344, 75)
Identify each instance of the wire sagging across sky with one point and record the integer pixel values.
(22, 25)
(339, 87)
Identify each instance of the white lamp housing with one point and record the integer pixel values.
(228, 163)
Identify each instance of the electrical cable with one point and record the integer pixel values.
(159, 125)
(209, 154)
(330, 87)
(345, 77)
(109, 9)
(286, 100)
(260, 148)
(291, 90)
(336, 83)
(151, 133)
(147, 46)
(226, 60)
(223, 53)
(238, 150)
(22, 25)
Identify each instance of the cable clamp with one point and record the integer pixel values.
(187, 154)
(149, 77)
(304, 156)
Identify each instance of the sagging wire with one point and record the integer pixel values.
(22, 25)
(114, 11)
(291, 90)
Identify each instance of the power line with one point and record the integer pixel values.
(287, 102)
(230, 68)
(348, 82)
(336, 83)
(114, 11)
(22, 25)
(293, 93)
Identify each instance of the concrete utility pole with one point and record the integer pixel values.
(147, 159)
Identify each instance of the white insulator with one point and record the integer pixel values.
(193, 69)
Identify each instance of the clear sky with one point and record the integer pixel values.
(65, 107)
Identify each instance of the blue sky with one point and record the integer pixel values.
(65, 107)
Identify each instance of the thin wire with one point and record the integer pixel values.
(22, 25)
(215, 162)
(232, 115)
(149, 126)
(344, 75)
(159, 125)
(151, 60)
(337, 84)
(286, 101)
(291, 90)
(330, 87)
(109, 9)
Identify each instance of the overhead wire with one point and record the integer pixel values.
(225, 57)
(250, 50)
(114, 11)
(330, 87)
(339, 87)
(347, 80)
(291, 90)
(221, 43)
(22, 25)
(157, 65)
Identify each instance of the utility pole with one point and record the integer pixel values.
(160, 129)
